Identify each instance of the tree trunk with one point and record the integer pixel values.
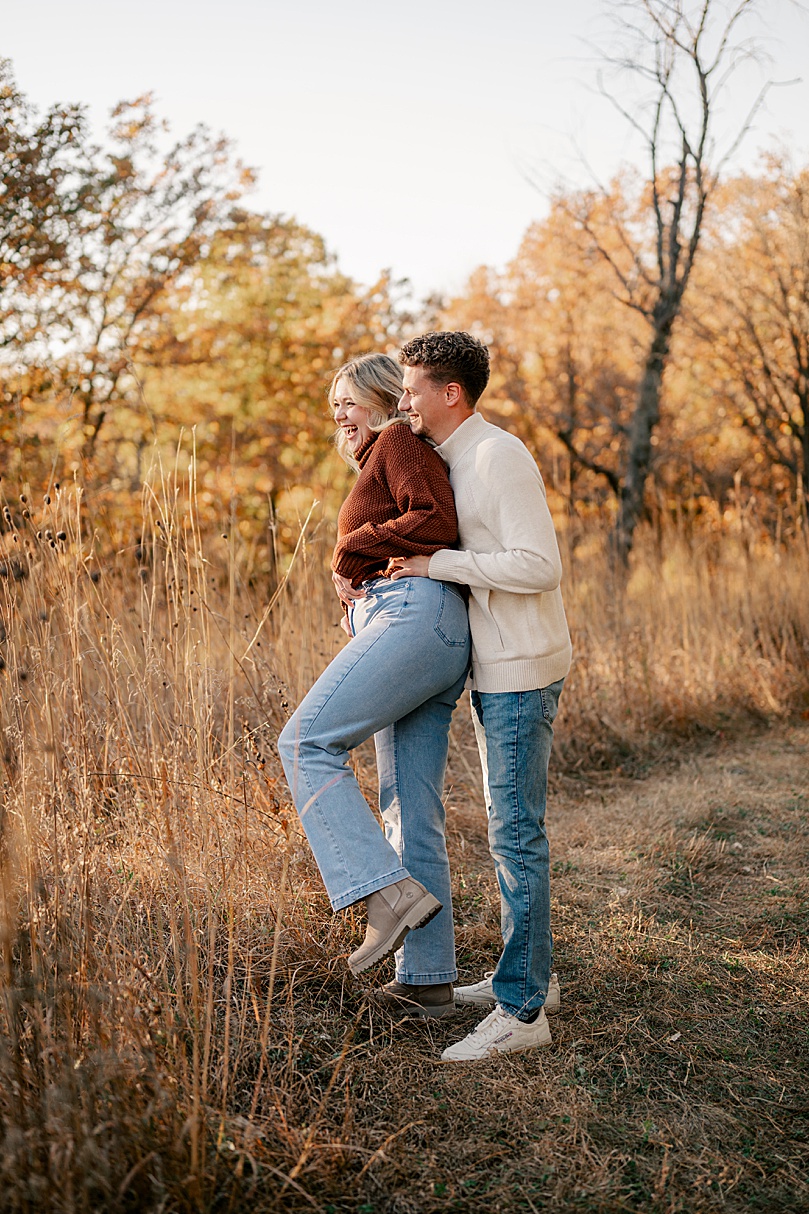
(639, 454)
(803, 487)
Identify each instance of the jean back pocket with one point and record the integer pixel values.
(452, 621)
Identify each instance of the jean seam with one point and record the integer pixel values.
(397, 785)
(517, 832)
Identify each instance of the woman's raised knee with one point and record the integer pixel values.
(289, 742)
(296, 745)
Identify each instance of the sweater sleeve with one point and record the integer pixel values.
(426, 519)
(509, 500)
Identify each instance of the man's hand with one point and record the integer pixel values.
(346, 627)
(345, 590)
(414, 566)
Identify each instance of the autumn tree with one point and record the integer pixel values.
(676, 61)
(153, 213)
(45, 184)
(256, 329)
(158, 304)
(565, 353)
(753, 314)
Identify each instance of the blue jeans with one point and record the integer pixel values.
(514, 732)
(399, 678)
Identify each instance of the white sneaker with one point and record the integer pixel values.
(482, 994)
(499, 1033)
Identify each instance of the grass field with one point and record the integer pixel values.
(178, 1028)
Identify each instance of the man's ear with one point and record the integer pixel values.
(456, 397)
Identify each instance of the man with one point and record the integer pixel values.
(509, 559)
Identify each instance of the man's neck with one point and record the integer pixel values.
(453, 423)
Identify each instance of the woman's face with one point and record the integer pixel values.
(353, 419)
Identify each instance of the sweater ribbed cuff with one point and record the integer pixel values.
(445, 566)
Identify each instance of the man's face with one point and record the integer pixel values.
(425, 404)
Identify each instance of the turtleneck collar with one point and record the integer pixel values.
(461, 439)
(363, 451)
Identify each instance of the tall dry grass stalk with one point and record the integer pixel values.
(711, 630)
(171, 975)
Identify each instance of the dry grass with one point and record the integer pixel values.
(178, 1028)
(712, 632)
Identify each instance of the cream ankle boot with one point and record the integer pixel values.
(392, 913)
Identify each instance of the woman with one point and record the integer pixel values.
(398, 678)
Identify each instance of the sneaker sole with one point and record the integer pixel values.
(523, 1049)
(425, 909)
(418, 1011)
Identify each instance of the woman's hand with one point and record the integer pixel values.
(345, 590)
(414, 566)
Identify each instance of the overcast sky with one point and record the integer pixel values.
(406, 134)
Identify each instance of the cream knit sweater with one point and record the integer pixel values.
(509, 559)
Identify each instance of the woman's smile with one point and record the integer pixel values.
(353, 419)
(352, 433)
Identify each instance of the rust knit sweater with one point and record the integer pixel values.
(401, 505)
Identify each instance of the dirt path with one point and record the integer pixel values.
(677, 1079)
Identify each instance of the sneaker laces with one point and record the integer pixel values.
(493, 1025)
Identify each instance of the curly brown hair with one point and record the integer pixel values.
(450, 357)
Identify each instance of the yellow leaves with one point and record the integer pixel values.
(567, 353)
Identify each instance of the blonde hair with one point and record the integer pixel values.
(376, 384)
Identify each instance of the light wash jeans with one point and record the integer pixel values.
(399, 678)
(514, 733)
